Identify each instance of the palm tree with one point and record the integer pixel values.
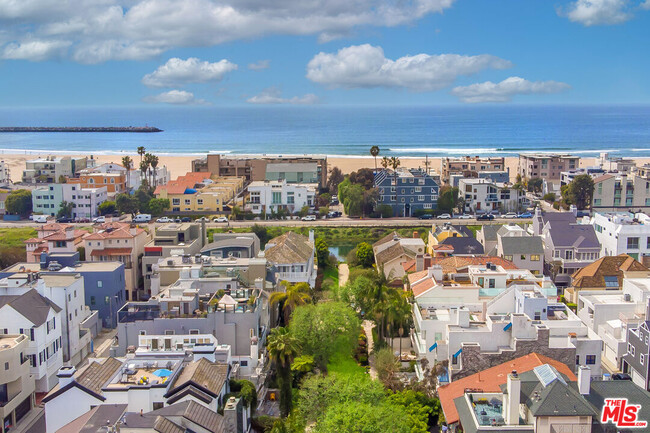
(394, 162)
(148, 158)
(385, 162)
(127, 162)
(292, 297)
(374, 151)
(154, 163)
(283, 348)
(144, 166)
(141, 152)
(399, 313)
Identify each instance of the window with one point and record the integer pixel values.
(591, 359)
(169, 332)
(143, 332)
(568, 254)
(633, 243)
(6, 366)
(491, 283)
(611, 281)
(577, 359)
(100, 284)
(509, 258)
(534, 257)
(642, 359)
(158, 405)
(194, 332)
(243, 363)
(92, 300)
(523, 257)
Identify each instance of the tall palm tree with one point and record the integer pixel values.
(154, 163)
(399, 313)
(141, 152)
(148, 158)
(292, 297)
(385, 162)
(144, 166)
(283, 348)
(374, 151)
(127, 162)
(394, 162)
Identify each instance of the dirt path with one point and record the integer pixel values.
(367, 326)
(344, 273)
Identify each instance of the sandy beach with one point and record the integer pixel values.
(179, 165)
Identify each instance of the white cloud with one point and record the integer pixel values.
(598, 12)
(102, 30)
(177, 72)
(646, 5)
(175, 97)
(35, 50)
(505, 90)
(257, 66)
(272, 95)
(366, 66)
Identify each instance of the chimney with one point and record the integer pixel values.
(232, 414)
(513, 388)
(66, 375)
(435, 271)
(584, 379)
(419, 262)
(463, 317)
(204, 233)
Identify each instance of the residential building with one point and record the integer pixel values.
(566, 177)
(115, 183)
(142, 383)
(440, 232)
(611, 313)
(545, 165)
(104, 286)
(460, 246)
(47, 199)
(294, 257)
(170, 239)
(266, 197)
(636, 361)
(623, 233)
(67, 292)
(54, 238)
(407, 191)
(225, 245)
(470, 166)
(122, 243)
(311, 169)
(615, 163)
(491, 379)
(135, 176)
(453, 265)
(487, 236)
(3, 199)
(196, 193)
(483, 195)
(40, 320)
(517, 246)
(568, 246)
(53, 169)
(606, 273)
(392, 251)
(494, 176)
(622, 192)
(17, 396)
(5, 174)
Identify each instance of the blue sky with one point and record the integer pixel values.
(194, 52)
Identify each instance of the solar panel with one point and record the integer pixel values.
(547, 375)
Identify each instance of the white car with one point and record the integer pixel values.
(309, 218)
(221, 219)
(444, 216)
(99, 220)
(464, 217)
(510, 215)
(164, 220)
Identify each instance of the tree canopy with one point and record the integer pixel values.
(365, 255)
(447, 198)
(19, 202)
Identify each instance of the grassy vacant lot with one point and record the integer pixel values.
(12, 247)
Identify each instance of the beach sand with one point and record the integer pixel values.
(179, 165)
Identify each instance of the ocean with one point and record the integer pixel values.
(342, 131)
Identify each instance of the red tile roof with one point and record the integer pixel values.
(181, 183)
(489, 380)
(423, 286)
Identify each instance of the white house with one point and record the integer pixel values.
(274, 195)
(134, 177)
(47, 199)
(39, 319)
(5, 175)
(623, 233)
(483, 195)
(293, 256)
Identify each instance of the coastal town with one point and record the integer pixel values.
(288, 293)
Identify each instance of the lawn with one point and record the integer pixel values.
(14, 237)
(342, 362)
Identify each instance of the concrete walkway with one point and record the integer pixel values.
(344, 273)
(367, 326)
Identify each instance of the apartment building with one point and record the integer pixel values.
(115, 183)
(293, 169)
(47, 199)
(636, 361)
(623, 233)
(135, 176)
(407, 191)
(194, 192)
(17, 387)
(483, 195)
(294, 258)
(40, 320)
(615, 163)
(266, 197)
(170, 239)
(54, 238)
(615, 192)
(470, 166)
(122, 243)
(546, 166)
(53, 169)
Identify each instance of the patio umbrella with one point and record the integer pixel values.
(162, 372)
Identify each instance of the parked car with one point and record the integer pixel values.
(510, 215)
(525, 215)
(39, 219)
(164, 220)
(463, 217)
(142, 218)
(582, 213)
(99, 220)
(444, 216)
(186, 220)
(621, 376)
(426, 216)
(221, 219)
(177, 220)
(485, 217)
(64, 220)
(333, 214)
(309, 218)
(206, 219)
